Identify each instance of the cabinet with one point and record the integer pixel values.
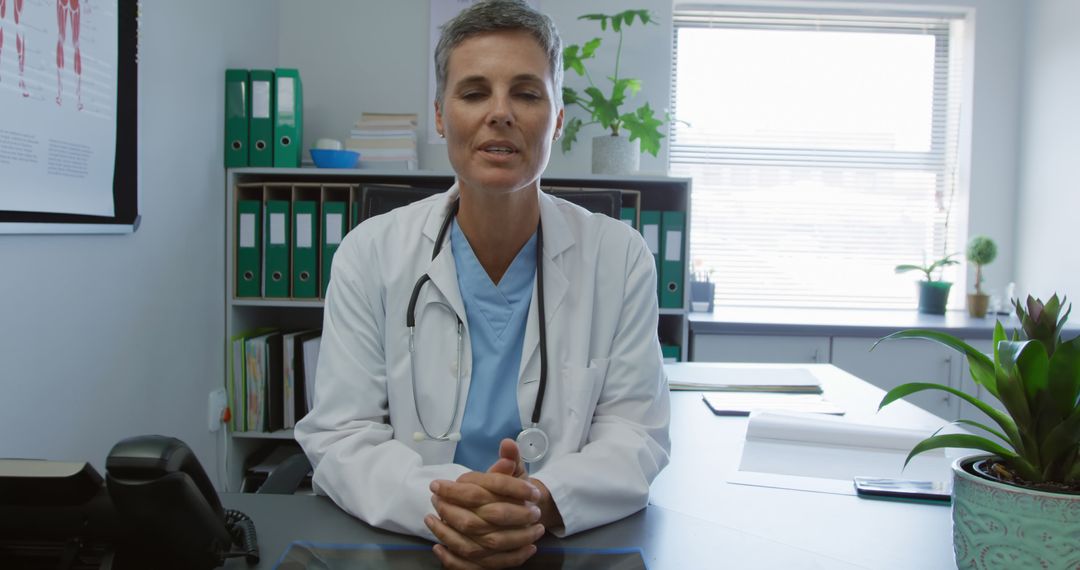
(243, 314)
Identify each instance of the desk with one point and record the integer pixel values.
(696, 519)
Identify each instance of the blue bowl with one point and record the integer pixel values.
(328, 158)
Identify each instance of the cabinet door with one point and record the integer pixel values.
(760, 348)
(900, 361)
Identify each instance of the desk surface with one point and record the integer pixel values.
(696, 519)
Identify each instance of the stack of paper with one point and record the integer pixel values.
(385, 141)
(704, 376)
(824, 453)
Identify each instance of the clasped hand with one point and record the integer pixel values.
(490, 519)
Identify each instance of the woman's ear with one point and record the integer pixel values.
(438, 120)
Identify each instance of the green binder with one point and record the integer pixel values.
(288, 118)
(276, 249)
(650, 230)
(237, 105)
(672, 256)
(671, 353)
(333, 226)
(355, 219)
(248, 248)
(305, 261)
(628, 215)
(261, 134)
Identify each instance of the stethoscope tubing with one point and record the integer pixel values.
(410, 323)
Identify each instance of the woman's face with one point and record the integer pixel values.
(499, 111)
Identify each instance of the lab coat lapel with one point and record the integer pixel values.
(557, 239)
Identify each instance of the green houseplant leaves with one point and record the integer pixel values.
(1036, 377)
(605, 108)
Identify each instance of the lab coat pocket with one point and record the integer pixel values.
(583, 387)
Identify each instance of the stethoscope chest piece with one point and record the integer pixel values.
(533, 444)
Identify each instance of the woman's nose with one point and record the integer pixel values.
(501, 113)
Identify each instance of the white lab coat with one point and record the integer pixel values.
(606, 408)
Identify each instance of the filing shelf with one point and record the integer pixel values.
(657, 193)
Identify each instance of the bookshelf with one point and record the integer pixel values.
(241, 314)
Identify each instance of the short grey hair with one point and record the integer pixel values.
(498, 15)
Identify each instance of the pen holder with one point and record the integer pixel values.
(701, 296)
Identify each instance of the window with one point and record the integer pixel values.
(824, 150)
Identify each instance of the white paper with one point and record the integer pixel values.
(277, 229)
(651, 232)
(247, 230)
(673, 246)
(57, 123)
(333, 229)
(303, 231)
(260, 99)
(285, 96)
(311, 360)
(705, 375)
(824, 453)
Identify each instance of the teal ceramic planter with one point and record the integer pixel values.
(1003, 527)
(933, 295)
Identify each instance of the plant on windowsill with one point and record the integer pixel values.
(981, 250)
(933, 293)
(631, 132)
(1019, 506)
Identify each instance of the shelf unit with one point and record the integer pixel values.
(657, 193)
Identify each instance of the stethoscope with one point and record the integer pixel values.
(532, 441)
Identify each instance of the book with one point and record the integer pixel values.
(706, 376)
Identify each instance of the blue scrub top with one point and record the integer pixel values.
(496, 315)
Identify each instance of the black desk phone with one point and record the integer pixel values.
(156, 508)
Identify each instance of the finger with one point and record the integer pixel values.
(508, 449)
(504, 466)
(512, 488)
(487, 517)
(511, 559)
(507, 540)
(448, 560)
(458, 544)
(460, 519)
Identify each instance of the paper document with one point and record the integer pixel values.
(744, 403)
(824, 453)
(706, 376)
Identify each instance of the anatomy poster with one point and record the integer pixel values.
(58, 75)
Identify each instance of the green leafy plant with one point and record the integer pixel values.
(981, 250)
(929, 269)
(605, 108)
(1036, 377)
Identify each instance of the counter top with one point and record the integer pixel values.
(848, 322)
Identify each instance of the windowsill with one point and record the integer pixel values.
(845, 322)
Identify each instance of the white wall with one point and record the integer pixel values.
(355, 57)
(1049, 204)
(104, 337)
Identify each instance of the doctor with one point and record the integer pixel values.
(488, 326)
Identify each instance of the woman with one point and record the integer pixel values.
(422, 385)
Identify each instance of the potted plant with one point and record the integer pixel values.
(1018, 506)
(630, 132)
(981, 250)
(933, 293)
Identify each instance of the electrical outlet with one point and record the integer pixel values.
(216, 408)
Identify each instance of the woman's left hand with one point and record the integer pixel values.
(487, 520)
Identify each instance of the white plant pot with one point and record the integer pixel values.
(615, 155)
(998, 526)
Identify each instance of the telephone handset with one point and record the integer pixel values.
(159, 488)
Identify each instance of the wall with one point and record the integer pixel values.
(1050, 201)
(104, 337)
(353, 58)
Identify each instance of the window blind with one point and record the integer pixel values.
(824, 150)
